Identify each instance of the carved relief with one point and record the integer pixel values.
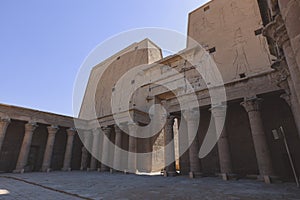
(240, 61)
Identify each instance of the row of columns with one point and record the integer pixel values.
(252, 106)
(101, 149)
(30, 127)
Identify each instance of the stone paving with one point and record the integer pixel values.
(95, 185)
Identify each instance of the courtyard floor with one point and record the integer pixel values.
(95, 185)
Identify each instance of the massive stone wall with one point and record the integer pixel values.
(231, 31)
(99, 90)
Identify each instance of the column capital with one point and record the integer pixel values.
(170, 116)
(71, 131)
(170, 120)
(52, 129)
(118, 129)
(106, 130)
(30, 126)
(287, 98)
(191, 115)
(218, 110)
(252, 104)
(132, 126)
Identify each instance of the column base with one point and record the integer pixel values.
(195, 174)
(126, 171)
(227, 176)
(104, 168)
(83, 168)
(19, 171)
(267, 178)
(47, 170)
(117, 171)
(66, 169)
(90, 169)
(171, 174)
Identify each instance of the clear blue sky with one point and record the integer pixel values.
(43, 43)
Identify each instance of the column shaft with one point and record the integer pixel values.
(105, 152)
(95, 149)
(169, 147)
(218, 113)
(132, 146)
(263, 157)
(25, 148)
(192, 129)
(84, 158)
(118, 150)
(4, 122)
(147, 158)
(290, 95)
(69, 147)
(84, 151)
(52, 130)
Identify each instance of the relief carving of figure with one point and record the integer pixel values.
(240, 61)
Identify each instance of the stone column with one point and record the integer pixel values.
(52, 130)
(4, 122)
(290, 11)
(218, 113)
(184, 160)
(147, 158)
(84, 158)
(105, 150)
(69, 147)
(95, 150)
(170, 151)
(192, 128)
(292, 102)
(132, 165)
(283, 80)
(84, 152)
(118, 151)
(25, 148)
(252, 106)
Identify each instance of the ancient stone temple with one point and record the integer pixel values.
(255, 45)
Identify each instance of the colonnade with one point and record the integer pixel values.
(30, 129)
(100, 146)
(253, 108)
